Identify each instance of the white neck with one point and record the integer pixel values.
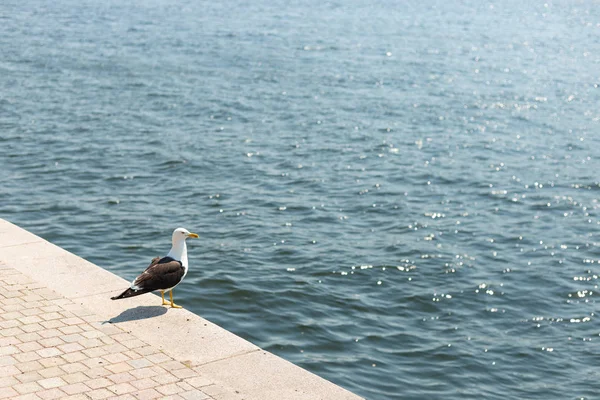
(179, 252)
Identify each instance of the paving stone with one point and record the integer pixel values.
(144, 372)
(8, 392)
(92, 333)
(7, 360)
(123, 336)
(109, 329)
(10, 340)
(121, 388)
(51, 324)
(66, 313)
(7, 381)
(74, 367)
(51, 394)
(114, 347)
(28, 377)
(52, 361)
(94, 362)
(199, 381)
(51, 342)
(99, 383)
(29, 387)
(12, 301)
(29, 366)
(32, 297)
(127, 396)
(115, 358)
(31, 328)
(75, 377)
(30, 320)
(48, 316)
(71, 337)
(144, 383)
(12, 307)
(13, 315)
(194, 395)
(119, 367)
(80, 396)
(131, 354)
(51, 308)
(16, 331)
(140, 363)
(133, 344)
(75, 388)
(122, 377)
(28, 356)
(169, 389)
(51, 372)
(158, 358)
(8, 350)
(100, 394)
(29, 346)
(97, 372)
(165, 378)
(29, 396)
(70, 347)
(107, 340)
(184, 373)
(94, 352)
(11, 323)
(50, 383)
(90, 343)
(34, 310)
(28, 337)
(49, 352)
(49, 332)
(147, 350)
(74, 357)
(147, 394)
(73, 321)
(184, 385)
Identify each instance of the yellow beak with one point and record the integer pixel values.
(193, 235)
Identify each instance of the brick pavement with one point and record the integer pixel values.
(52, 348)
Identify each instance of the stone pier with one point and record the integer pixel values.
(62, 338)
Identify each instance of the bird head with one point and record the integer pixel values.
(182, 234)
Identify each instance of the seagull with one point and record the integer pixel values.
(163, 274)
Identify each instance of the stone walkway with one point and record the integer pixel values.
(52, 348)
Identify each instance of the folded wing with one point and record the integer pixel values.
(162, 273)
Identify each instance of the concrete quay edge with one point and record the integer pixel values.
(238, 368)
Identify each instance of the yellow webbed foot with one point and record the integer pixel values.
(173, 305)
(164, 303)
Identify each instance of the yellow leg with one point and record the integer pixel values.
(164, 303)
(173, 305)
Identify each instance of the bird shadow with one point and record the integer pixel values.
(137, 313)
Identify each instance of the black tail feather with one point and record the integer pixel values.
(130, 293)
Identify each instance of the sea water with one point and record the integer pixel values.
(401, 197)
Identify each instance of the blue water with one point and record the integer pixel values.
(401, 197)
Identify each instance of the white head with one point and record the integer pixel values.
(179, 249)
(180, 234)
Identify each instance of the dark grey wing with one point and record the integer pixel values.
(154, 261)
(161, 274)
